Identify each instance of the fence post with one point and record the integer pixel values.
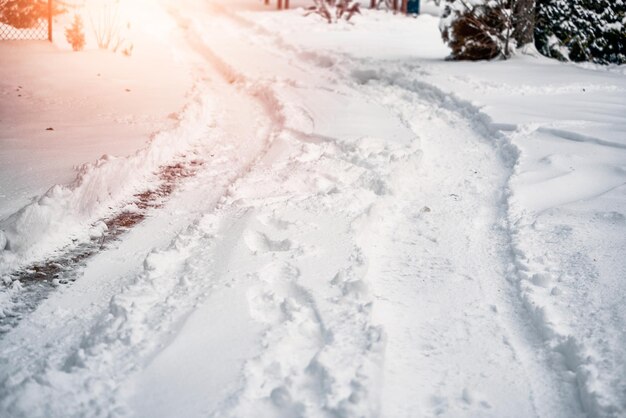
(50, 20)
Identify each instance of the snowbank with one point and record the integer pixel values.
(63, 109)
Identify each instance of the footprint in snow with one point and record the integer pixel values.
(279, 270)
(260, 243)
(273, 221)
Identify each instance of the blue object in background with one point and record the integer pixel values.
(413, 6)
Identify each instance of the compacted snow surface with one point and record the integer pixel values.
(330, 220)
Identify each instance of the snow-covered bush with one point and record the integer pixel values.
(23, 14)
(477, 29)
(582, 30)
(486, 29)
(75, 34)
(333, 10)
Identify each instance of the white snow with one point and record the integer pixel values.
(370, 231)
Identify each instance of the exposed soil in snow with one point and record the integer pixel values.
(35, 282)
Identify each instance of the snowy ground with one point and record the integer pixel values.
(56, 104)
(340, 223)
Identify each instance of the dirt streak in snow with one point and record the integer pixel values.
(30, 285)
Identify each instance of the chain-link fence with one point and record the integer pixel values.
(26, 20)
(39, 32)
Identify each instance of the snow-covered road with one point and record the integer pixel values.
(346, 247)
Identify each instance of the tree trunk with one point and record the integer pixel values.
(523, 21)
